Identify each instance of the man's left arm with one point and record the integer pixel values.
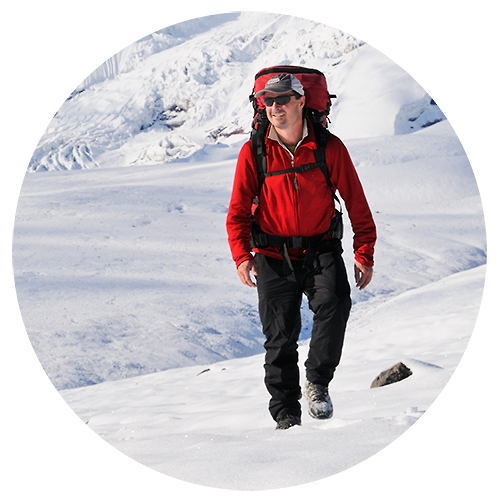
(345, 178)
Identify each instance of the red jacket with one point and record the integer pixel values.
(297, 204)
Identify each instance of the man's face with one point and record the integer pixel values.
(285, 116)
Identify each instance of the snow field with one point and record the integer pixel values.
(209, 425)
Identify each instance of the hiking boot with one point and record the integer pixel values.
(320, 404)
(286, 420)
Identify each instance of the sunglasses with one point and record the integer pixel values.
(280, 100)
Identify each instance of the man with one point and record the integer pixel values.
(298, 204)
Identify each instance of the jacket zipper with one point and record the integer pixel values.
(296, 185)
(295, 181)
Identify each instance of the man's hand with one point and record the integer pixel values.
(244, 270)
(362, 274)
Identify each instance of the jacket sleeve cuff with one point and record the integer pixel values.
(243, 259)
(363, 260)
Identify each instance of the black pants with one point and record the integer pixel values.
(328, 291)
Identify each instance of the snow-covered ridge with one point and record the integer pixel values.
(171, 93)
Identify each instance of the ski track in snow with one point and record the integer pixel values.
(124, 276)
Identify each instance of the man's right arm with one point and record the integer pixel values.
(238, 222)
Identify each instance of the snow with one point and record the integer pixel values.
(124, 277)
(168, 95)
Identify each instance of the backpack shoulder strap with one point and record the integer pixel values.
(258, 144)
(321, 135)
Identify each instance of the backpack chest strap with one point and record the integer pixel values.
(295, 169)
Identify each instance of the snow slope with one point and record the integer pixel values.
(124, 276)
(126, 271)
(209, 424)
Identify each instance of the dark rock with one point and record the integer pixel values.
(396, 373)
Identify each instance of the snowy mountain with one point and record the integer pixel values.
(133, 55)
(172, 93)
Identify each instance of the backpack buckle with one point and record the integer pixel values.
(295, 242)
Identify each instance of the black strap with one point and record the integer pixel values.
(261, 239)
(258, 143)
(299, 169)
(321, 135)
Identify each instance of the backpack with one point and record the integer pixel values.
(318, 104)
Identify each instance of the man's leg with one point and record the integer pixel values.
(328, 291)
(279, 308)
